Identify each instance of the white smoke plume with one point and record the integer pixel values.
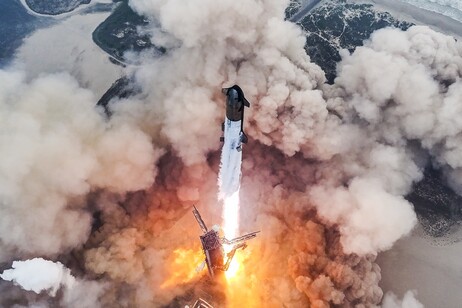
(409, 301)
(39, 275)
(325, 190)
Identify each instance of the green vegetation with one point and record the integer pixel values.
(340, 24)
(121, 32)
(122, 88)
(54, 7)
(437, 206)
(293, 8)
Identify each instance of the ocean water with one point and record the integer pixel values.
(449, 8)
(15, 24)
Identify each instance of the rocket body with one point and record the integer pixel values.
(231, 158)
(235, 103)
(233, 138)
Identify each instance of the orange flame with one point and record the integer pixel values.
(235, 266)
(182, 266)
(242, 283)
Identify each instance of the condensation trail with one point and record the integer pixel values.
(229, 177)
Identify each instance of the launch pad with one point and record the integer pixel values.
(212, 244)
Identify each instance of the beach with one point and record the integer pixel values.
(431, 268)
(405, 11)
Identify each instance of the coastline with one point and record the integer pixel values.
(418, 16)
(62, 15)
(304, 10)
(73, 51)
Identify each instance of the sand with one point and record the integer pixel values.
(422, 264)
(405, 11)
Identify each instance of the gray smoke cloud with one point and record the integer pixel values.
(56, 147)
(398, 90)
(269, 60)
(325, 189)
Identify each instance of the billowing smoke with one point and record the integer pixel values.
(39, 275)
(325, 188)
(56, 147)
(399, 93)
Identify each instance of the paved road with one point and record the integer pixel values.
(304, 10)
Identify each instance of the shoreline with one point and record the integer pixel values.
(418, 16)
(304, 11)
(62, 15)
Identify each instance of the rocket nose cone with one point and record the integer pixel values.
(232, 95)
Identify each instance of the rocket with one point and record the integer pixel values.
(233, 127)
(233, 138)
